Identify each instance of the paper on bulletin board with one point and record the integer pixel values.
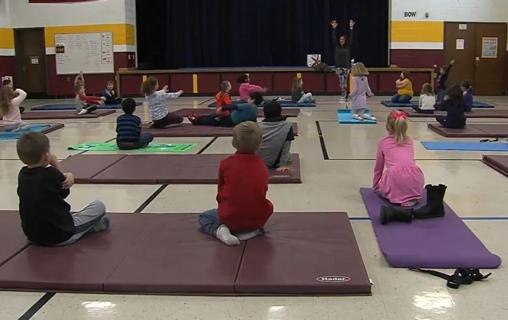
(313, 59)
(459, 44)
(489, 47)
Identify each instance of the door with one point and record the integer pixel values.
(460, 45)
(479, 53)
(30, 60)
(490, 58)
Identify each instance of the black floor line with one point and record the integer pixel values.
(207, 145)
(322, 141)
(37, 306)
(150, 199)
(203, 102)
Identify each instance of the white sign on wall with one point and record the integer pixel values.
(87, 52)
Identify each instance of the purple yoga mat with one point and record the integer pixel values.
(432, 243)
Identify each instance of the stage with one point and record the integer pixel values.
(205, 81)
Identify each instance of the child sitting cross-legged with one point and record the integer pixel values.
(243, 183)
(46, 217)
(128, 128)
(277, 136)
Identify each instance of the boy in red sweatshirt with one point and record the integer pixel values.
(243, 183)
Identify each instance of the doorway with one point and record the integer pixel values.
(479, 52)
(31, 60)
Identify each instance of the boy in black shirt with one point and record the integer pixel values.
(42, 187)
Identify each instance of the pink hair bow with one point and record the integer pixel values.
(399, 115)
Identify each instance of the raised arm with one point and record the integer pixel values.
(334, 25)
(351, 29)
(80, 79)
(20, 97)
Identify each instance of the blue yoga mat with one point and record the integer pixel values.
(72, 106)
(389, 104)
(283, 104)
(465, 146)
(16, 134)
(346, 117)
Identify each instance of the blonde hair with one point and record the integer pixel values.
(358, 69)
(247, 137)
(297, 84)
(397, 126)
(149, 85)
(6, 96)
(427, 89)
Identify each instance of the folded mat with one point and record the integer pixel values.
(72, 106)
(472, 130)
(157, 169)
(497, 113)
(64, 114)
(346, 117)
(12, 239)
(283, 104)
(431, 243)
(190, 130)
(389, 104)
(165, 253)
(16, 134)
(465, 146)
(206, 112)
(498, 163)
(152, 148)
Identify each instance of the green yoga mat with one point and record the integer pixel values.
(152, 148)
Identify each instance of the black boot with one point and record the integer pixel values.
(391, 214)
(434, 207)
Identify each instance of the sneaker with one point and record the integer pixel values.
(367, 116)
(357, 117)
(103, 225)
(82, 112)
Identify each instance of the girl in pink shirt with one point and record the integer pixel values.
(246, 88)
(396, 175)
(10, 101)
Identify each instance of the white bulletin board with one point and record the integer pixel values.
(87, 52)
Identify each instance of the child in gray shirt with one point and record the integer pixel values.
(277, 137)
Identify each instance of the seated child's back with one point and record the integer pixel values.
(243, 184)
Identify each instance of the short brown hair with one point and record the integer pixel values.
(31, 147)
(247, 137)
(148, 86)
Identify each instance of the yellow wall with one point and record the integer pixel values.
(6, 38)
(417, 31)
(123, 34)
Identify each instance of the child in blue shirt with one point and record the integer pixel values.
(128, 129)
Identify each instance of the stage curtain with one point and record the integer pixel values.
(225, 33)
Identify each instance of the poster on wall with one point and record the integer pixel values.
(489, 47)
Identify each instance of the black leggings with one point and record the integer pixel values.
(214, 120)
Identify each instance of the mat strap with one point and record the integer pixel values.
(460, 276)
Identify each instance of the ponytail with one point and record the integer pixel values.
(148, 86)
(397, 126)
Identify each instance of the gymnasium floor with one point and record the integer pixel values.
(476, 192)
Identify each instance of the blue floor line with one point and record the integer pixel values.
(463, 218)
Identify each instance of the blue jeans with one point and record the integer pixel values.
(210, 221)
(401, 99)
